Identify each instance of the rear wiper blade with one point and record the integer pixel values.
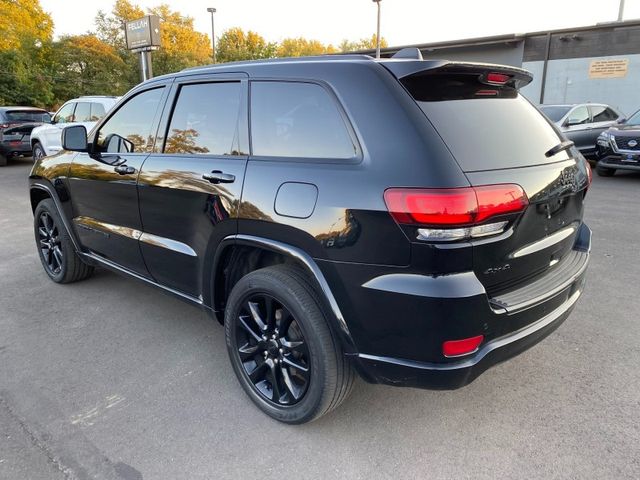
(561, 147)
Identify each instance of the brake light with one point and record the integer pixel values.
(455, 213)
(498, 78)
(589, 173)
(4, 125)
(450, 207)
(457, 348)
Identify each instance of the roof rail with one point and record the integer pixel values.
(315, 58)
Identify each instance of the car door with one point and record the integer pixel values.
(578, 128)
(103, 182)
(190, 188)
(53, 133)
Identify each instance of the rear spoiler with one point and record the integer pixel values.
(403, 68)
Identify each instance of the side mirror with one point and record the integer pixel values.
(74, 138)
(571, 122)
(622, 120)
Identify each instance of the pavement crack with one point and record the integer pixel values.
(40, 444)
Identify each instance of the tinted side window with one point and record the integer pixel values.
(65, 114)
(129, 129)
(97, 112)
(83, 112)
(205, 120)
(603, 114)
(578, 116)
(297, 120)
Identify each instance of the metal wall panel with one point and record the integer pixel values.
(568, 81)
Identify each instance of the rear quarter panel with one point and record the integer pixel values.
(350, 222)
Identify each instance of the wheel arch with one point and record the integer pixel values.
(40, 191)
(238, 255)
(37, 194)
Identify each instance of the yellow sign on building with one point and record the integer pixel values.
(609, 68)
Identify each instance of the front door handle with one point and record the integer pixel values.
(124, 170)
(219, 177)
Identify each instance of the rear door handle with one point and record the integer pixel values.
(124, 170)
(219, 177)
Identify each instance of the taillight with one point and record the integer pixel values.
(455, 213)
(499, 199)
(497, 78)
(457, 348)
(589, 173)
(4, 125)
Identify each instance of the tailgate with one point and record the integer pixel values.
(498, 137)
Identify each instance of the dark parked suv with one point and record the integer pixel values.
(413, 221)
(16, 124)
(619, 147)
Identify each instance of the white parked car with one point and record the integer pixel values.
(47, 139)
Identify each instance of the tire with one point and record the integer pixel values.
(55, 249)
(604, 172)
(38, 151)
(3, 160)
(329, 375)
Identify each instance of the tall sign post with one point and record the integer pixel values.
(143, 37)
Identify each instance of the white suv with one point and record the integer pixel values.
(47, 139)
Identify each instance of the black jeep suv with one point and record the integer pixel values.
(619, 147)
(413, 221)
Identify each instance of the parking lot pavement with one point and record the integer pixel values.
(109, 378)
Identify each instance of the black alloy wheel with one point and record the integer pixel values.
(49, 243)
(281, 346)
(55, 248)
(272, 350)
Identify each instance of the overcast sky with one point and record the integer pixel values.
(403, 21)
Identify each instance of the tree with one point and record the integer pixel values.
(301, 47)
(110, 30)
(23, 21)
(235, 44)
(86, 65)
(182, 46)
(23, 79)
(362, 44)
(26, 41)
(110, 27)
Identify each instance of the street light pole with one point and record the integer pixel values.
(213, 33)
(621, 11)
(378, 30)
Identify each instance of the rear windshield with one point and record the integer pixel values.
(554, 113)
(486, 128)
(27, 116)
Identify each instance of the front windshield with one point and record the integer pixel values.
(554, 113)
(635, 119)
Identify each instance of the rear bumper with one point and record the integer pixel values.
(11, 147)
(399, 321)
(449, 376)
